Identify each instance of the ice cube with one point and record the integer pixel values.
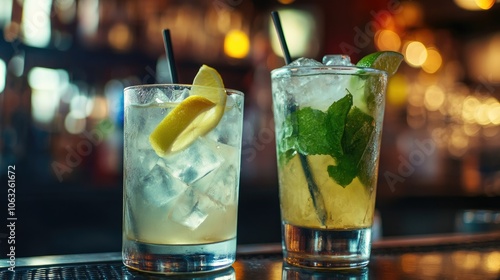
(179, 95)
(159, 187)
(228, 131)
(146, 160)
(139, 163)
(221, 185)
(160, 96)
(193, 163)
(145, 122)
(337, 60)
(303, 61)
(319, 91)
(191, 209)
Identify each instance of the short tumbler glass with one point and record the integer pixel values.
(328, 129)
(179, 210)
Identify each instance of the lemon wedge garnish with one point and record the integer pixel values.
(195, 116)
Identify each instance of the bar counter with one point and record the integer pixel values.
(451, 256)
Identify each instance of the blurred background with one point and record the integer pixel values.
(64, 65)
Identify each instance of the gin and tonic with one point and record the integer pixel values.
(180, 200)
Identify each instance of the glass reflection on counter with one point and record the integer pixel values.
(295, 273)
(225, 274)
(464, 264)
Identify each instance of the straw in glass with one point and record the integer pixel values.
(169, 51)
(317, 197)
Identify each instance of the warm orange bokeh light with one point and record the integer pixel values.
(433, 61)
(387, 40)
(485, 4)
(475, 5)
(415, 53)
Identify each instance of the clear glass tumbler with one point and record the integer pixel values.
(328, 130)
(179, 210)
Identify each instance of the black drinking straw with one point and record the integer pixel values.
(281, 36)
(317, 197)
(170, 56)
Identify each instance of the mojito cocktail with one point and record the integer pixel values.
(328, 121)
(180, 199)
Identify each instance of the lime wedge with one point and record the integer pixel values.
(387, 61)
(195, 116)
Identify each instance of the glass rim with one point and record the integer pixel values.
(328, 69)
(227, 90)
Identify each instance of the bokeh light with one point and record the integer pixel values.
(491, 262)
(120, 37)
(469, 108)
(397, 90)
(5, 12)
(409, 263)
(481, 115)
(415, 53)
(387, 40)
(411, 14)
(494, 113)
(430, 264)
(16, 65)
(35, 24)
(66, 10)
(299, 33)
(485, 4)
(100, 108)
(236, 44)
(433, 61)
(483, 59)
(475, 5)
(3, 75)
(74, 124)
(88, 16)
(81, 106)
(46, 86)
(434, 98)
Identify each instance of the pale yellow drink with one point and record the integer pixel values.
(180, 200)
(347, 208)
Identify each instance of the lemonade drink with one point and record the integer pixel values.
(328, 128)
(180, 203)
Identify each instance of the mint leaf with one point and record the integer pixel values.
(343, 132)
(335, 122)
(358, 129)
(357, 133)
(312, 135)
(314, 132)
(344, 172)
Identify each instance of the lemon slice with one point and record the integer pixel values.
(387, 61)
(195, 116)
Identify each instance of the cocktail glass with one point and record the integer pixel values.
(328, 121)
(180, 210)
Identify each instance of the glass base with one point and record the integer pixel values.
(326, 249)
(176, 259)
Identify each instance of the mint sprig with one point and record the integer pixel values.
(343, 132)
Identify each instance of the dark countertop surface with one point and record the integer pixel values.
(449, 256)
